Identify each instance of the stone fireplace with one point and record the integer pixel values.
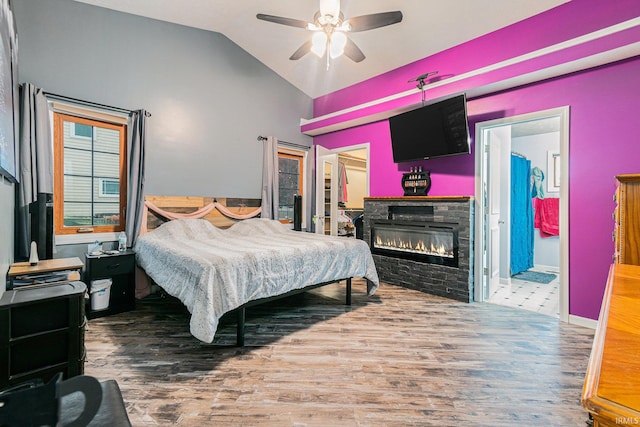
(430, 242)
(423, 243)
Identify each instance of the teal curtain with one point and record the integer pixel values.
(521, 215)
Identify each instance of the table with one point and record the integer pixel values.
(45, 272)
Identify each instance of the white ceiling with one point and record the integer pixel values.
(428, 26)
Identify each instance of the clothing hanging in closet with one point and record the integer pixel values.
(343, 194)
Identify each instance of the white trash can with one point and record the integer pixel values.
(100, 292)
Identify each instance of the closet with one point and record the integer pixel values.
(352, 188)
(342, 183)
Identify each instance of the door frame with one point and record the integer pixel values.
(480, 177)
(495, 221)
(367, 147)
(325, 156)
(362, 146)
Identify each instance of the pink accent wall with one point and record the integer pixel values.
(604, 128)
(565, 22)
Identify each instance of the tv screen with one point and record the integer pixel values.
(435, 130)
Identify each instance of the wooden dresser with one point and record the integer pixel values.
(611, 390)
(627, 219)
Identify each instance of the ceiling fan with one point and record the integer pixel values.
(329, 28)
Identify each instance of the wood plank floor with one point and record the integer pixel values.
(399, 358)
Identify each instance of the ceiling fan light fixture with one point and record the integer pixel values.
(319, 43)
(330, 8)
(330, 29)
(338, 42)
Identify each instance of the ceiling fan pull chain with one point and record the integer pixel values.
(327, 52)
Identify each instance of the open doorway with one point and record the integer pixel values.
(520, 161)
(342, 183)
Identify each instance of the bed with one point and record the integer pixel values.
(214, 271)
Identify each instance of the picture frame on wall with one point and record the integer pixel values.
(8, 92)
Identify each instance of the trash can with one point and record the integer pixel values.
(100, 293)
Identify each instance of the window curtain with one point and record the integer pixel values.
(35, 165)
(270, 196)
(310, 190)
(521, 215)
(135, 175)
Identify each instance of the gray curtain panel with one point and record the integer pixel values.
(311, 185)
(35, 169)
(270, 179)
(135, 176)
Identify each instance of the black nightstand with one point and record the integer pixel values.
(120, 268)
(42, 333)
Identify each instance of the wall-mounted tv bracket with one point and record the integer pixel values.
(421, 82)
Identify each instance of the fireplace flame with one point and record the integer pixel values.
(408, 246)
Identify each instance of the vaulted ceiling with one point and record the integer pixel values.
(427, 27)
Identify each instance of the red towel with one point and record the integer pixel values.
(547, 216)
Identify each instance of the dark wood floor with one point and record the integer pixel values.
(399, 358)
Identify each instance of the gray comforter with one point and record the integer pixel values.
(213, 271)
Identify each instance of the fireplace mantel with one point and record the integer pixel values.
(443, 280)
(419, 198)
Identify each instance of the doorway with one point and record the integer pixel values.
(497, 143)
(342, 183)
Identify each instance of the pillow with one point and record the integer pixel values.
(254, 226)
(187, 228)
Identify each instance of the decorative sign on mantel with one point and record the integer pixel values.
(417, 182)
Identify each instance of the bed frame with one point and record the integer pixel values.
(224, 213)
(240, 311)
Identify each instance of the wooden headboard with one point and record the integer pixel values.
(224, 211)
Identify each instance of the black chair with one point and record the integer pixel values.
(358, 222)
(76, 402)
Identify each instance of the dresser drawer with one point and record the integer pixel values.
(111, 266)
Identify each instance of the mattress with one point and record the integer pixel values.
(213, 271)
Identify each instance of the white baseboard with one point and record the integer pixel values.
(583, 321)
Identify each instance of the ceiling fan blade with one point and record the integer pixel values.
(375, 20)
(353, 52)
(302, 51)
(284, 21)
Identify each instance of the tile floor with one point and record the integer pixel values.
(539, 297)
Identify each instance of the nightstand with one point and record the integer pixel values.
(42, 332)
(120, 268)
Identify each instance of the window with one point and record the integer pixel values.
(109, 187)
(82, 130)
(290, 174)
(89, 175)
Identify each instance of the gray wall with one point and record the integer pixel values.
(209, 98)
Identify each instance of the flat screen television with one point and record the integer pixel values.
(436, 130)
